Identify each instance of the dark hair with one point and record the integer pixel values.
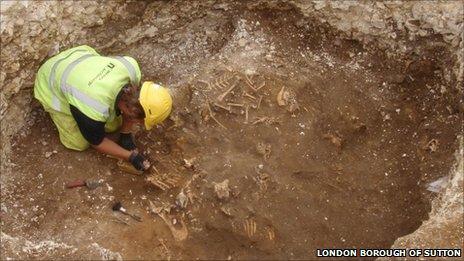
(131, 97)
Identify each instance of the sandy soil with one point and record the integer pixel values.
(342, 163)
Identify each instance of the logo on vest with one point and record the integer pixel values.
(104, 72)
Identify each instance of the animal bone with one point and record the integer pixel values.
(206, 83)
(128, 168)
(261, 86)
(247, 108)
(262, 180)
(250, 227)
(268, 120)
(164, 182)
(222, 107)
(155, 169)
(260, 120)
(214, 118)
(221, 82)
(432, 145)
(249, 83)
(235, 104)
(264, 149)
(179, 234)
(159, 184)
(249, 96)
(222, 96)
(259, 101)
(270, 233)
(281, 100)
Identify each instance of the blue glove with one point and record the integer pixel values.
(138, 161)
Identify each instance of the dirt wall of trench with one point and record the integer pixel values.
(32, 31)
(394, 25)
(397, 26)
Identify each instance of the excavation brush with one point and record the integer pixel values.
(118, 207)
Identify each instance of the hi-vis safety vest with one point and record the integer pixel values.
(90, 82)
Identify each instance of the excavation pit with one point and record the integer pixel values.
(325, 143)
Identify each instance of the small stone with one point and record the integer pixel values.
(48, 154)
(432, 145)
(269, 58)
(181, 200)
(250, 72)
(242, 42)
(443, 89)
(334, 139)
(189, 163)
(386, 117)
(227, 211)
(222, 190)
(264, 149)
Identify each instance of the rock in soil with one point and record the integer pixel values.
(222, 190)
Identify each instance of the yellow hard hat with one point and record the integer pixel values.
(156, 102)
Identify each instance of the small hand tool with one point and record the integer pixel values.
(128, 168)
(118, 207)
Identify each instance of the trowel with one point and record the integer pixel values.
(128, 168)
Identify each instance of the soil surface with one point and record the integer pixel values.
(323, 144)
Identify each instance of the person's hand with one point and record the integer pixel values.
(138, 161)
(126, 141)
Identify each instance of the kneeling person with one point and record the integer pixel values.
(88, 95)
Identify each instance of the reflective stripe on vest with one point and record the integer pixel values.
(87, 100)
(130, 68)
(79, 95)
(56, 105)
